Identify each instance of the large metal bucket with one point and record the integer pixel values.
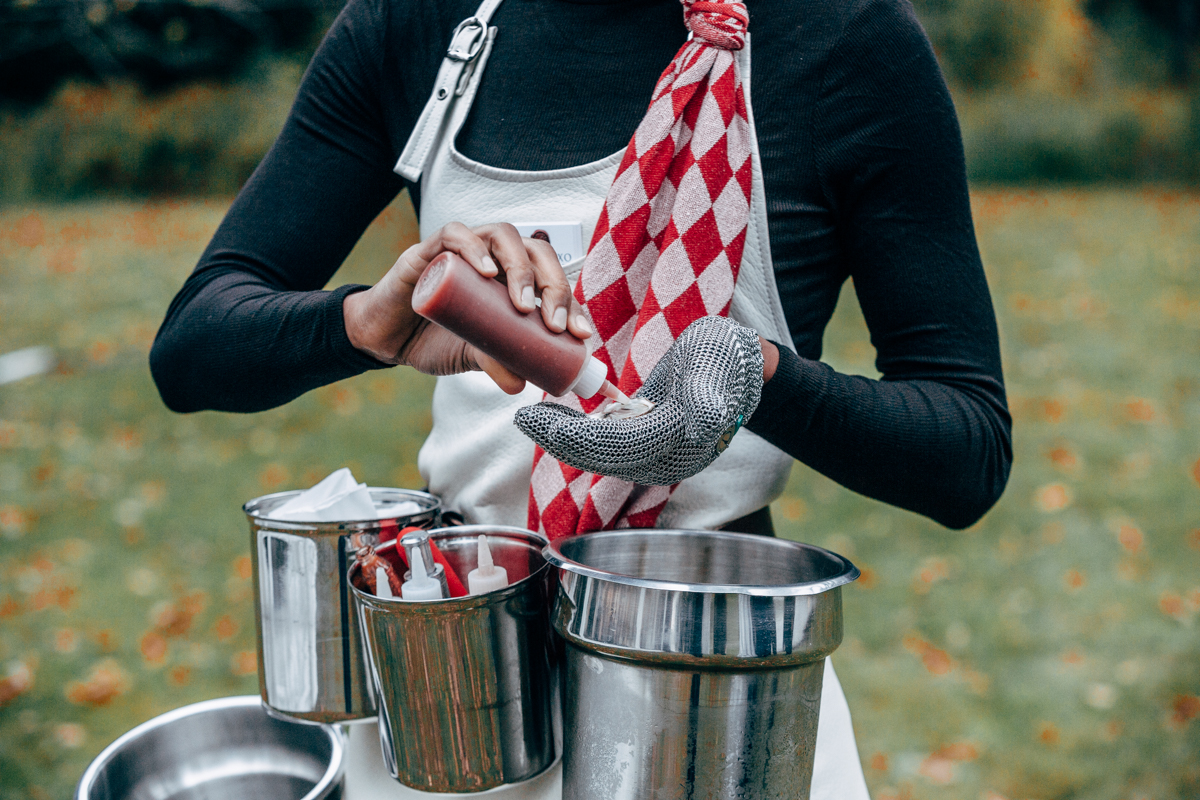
(310, 663)
(694, 662)
(467, 687)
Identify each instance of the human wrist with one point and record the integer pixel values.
(789, 399)
(770, 358)
(363, 330)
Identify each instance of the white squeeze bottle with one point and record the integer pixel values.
(487, 577)
(421, 586)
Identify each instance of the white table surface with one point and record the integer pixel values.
(367, 778)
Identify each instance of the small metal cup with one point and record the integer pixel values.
(694, 662)
(310, 664)
(467, 687)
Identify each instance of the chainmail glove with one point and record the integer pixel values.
(704, 389)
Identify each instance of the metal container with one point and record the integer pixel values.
(694, 662)
(310, 663)
(219, 748)
(467, 687)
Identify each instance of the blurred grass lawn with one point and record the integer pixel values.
(1052, 651)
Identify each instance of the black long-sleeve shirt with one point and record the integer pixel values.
(864, 179)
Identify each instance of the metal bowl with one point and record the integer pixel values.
(226, 748)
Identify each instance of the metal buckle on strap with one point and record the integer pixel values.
(466, 51)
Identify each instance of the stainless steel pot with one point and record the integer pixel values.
(219, 748)
(467, 687)
(310, 663)
(694, 662)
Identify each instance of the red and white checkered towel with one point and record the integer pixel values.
(666, 252)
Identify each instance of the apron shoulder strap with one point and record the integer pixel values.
(468, 43)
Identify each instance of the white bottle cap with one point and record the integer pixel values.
(590, 378)
(488, 577)
(420, 586)
(382, 587)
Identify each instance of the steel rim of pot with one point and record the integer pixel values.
(848, 573)
(428, 502)
(333, 772)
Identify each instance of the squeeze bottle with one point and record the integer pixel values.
(487, 577)
(417, 544)
(421, 586)
(477, 309)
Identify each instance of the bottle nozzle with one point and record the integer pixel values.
(486, 566)
(382, 587)
(610, 391)
(487, 577)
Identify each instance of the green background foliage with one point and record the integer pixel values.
(1045, 94)
(1049, 652)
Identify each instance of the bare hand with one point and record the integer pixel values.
(381, 322)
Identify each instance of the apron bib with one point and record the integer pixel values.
(475, 459)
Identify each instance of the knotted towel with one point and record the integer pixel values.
(665, 252)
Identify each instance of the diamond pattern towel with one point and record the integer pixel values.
(666, 252)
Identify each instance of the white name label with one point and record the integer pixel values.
(565, 237)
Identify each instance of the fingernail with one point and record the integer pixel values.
(582, 323)
(490, 265)
(560, 318)
(527, 297)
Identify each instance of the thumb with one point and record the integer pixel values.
(537, 421)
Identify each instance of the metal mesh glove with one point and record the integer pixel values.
(705, 388)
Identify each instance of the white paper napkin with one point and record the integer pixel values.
(338, 498)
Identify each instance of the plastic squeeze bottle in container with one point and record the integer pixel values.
(487, 577)
(477, 309)
(421, 585)
(420, 551)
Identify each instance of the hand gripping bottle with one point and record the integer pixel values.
(478, 310)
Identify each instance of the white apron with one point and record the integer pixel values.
(475, 459)
(479, 463)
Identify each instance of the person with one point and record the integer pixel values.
(858, 174)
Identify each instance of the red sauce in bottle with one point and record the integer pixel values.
(478, 310)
